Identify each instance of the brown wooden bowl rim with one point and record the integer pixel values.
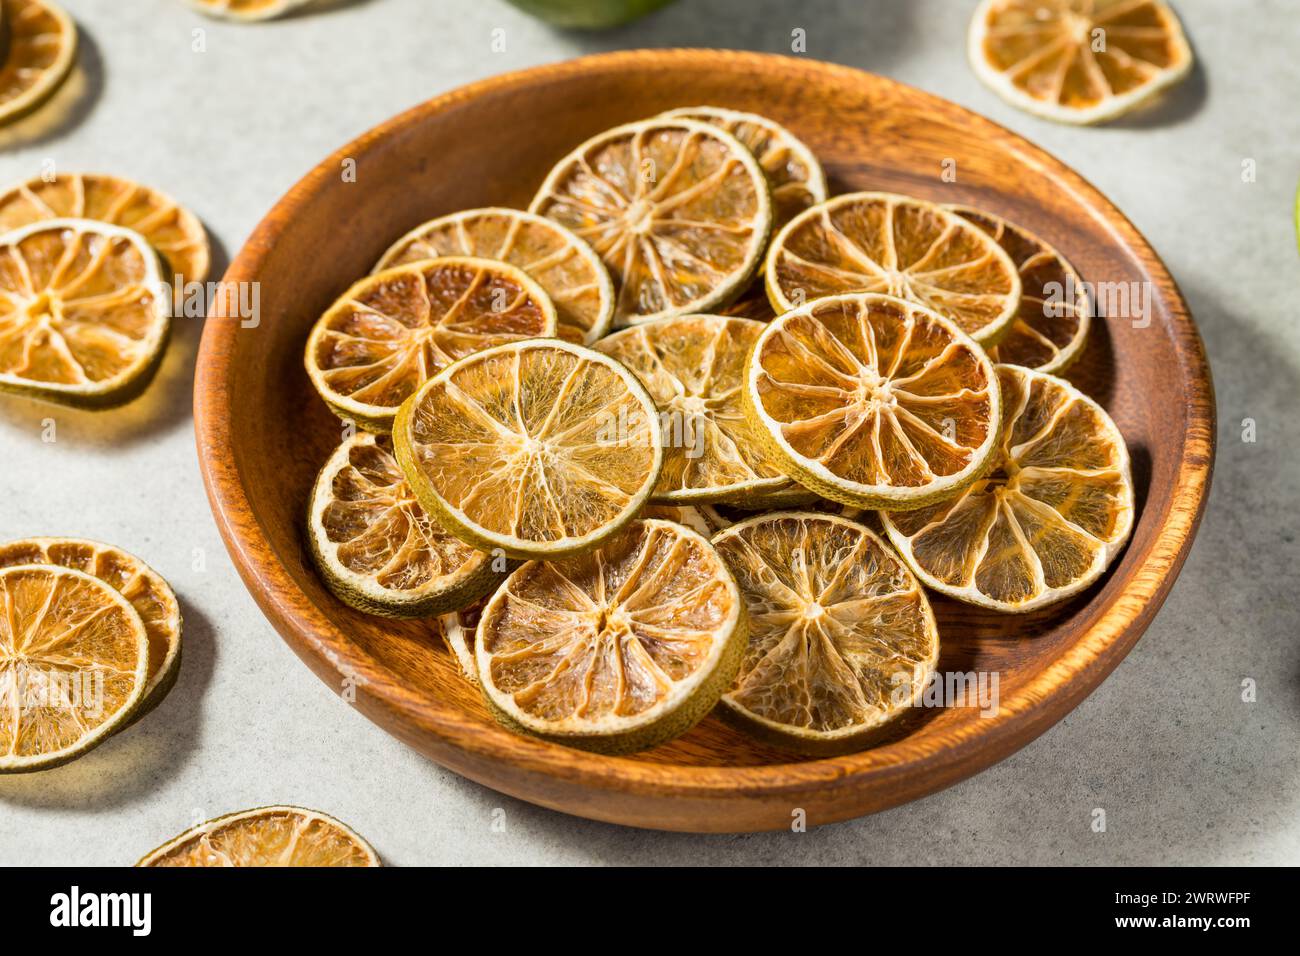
(470, 746)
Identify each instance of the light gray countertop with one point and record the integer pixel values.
(1186, 771)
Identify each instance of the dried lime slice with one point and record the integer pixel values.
(377, 548)
(873, 401)
(902, 246)
(1055, 311)
(615, 650)
(150, 595)
(459, 630)
(793, 173)
(693, 367)
(267, 836)
(677, 209)
(38, 48)
(393, 331)
(539, 449)
(1078, 61)
(1046, 521)
(74, 660)
(84, 312)
(841, 637)
(722, 516)
(688, 515)
(168, 226)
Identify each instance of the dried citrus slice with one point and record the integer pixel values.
(841, 636)
(1077, 61)
(540, 449)
(169, 227)
(150, 595)
(84, 312)
(693, 367)
(376, 547)
(618, 649)
(37, 55)
(267, 836)
(1049, 518)
(565, 266)
(460, 627)
(873, 401)
(678, 210)
(1055, 311)
(916, 250)
(74, 658)
(247, 10)
(394, 330)
(793, 173)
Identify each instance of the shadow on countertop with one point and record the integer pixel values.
(130, 765)
(69, 105)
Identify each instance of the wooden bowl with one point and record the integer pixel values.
(262, 433)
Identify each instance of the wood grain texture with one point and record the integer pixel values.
(262, 434)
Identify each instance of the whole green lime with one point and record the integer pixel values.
(589, 14)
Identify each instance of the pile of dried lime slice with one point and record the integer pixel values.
(90, 640)
(91, 268)
(620, 450)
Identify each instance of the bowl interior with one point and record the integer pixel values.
(263, 433)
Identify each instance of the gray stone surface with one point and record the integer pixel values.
(1186, 771)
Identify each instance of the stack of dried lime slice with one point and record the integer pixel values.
(619, 449)
(90, 640)
(91, 267)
